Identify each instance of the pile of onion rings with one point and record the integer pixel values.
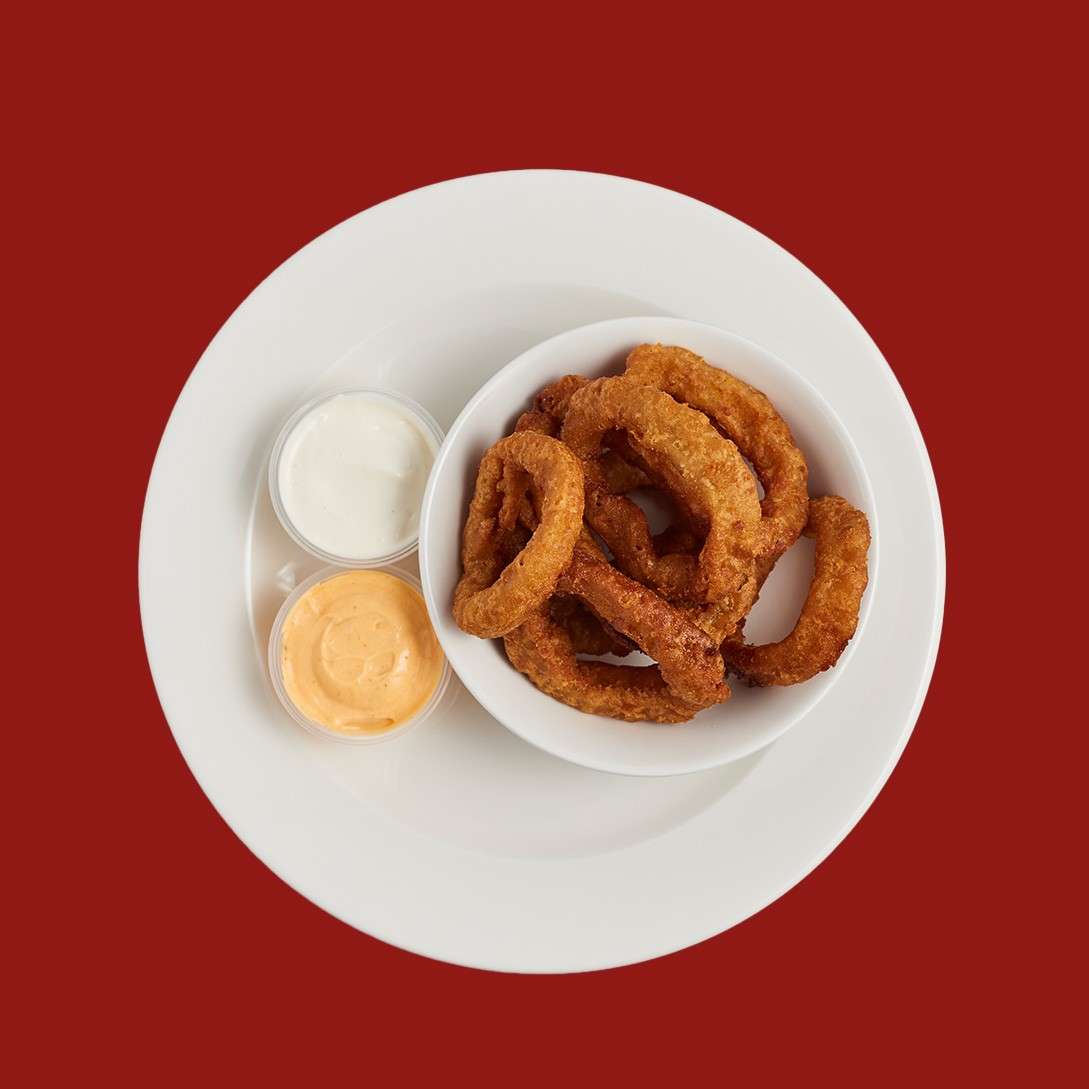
(560, 561)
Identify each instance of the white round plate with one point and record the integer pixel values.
(459, 840)
(752, 718)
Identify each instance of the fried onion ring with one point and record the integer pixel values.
(492, 598)
(618, 475)
(830, 614)
(704, 472)
(621, 475)
(518, 519)
(590, 635)
(543, 651)
(750, 420)
(688, 659)
(623, 525)
(598, 610)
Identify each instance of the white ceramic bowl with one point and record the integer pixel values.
(752, 718)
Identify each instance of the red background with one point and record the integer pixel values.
(921, 165)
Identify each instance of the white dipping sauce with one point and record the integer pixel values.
(352, 474)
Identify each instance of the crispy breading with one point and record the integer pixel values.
(702, 469)
(543, 651)
(830, 614)
(687, 657)
(674, 422)
(749, 418)
(492, 598)
(589, 634)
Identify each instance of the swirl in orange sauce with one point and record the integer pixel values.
(359, 655)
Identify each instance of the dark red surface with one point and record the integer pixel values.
(922, 166)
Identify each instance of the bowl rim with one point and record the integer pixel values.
(525, 359)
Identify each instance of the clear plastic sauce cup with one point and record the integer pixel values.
(275, 666)
(402, 406)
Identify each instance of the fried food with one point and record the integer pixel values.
(702, 469)
(598, 610)
(518, 519)
(677, 538)
(494, 597)
(590, 635)
(750, 420)
(543, 651)
(515, 481)
(554, 398)
(534, 572)
(623, 526)
(687, 657)
(620, 473)
(830, 614)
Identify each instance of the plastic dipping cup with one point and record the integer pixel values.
(276, 673)
(348, 468)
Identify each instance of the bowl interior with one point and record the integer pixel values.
(749, 720)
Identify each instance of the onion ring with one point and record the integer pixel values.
(617, 614)
(687, 658)
(829, 616)
(750, 420)
(623, 524)
(518, 519)
(616, 460)
(590, 635)
(543, 651)
(617, 475)
(492, 598)
(620, 477)
(703, 470)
